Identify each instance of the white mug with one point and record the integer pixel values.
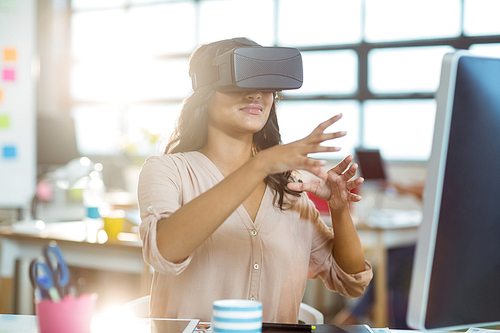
(237, 315)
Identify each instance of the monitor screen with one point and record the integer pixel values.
(56, 140)
(370, 164)
(456, 271)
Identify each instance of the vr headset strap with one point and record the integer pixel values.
(210, 75)
(204, 77)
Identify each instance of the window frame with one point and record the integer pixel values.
(362, 49)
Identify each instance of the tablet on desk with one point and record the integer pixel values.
(162, 325)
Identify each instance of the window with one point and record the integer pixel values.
(220, 19)
(481, 17)
(405, 69)
(302, 117)
(395, 20)
(319, 22)
(376, 61)
(328, 72)
(402, 129)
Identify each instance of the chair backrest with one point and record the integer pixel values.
(310, 315)
(140, 309)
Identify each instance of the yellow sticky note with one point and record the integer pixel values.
(9, 54)
(1, 95)
(4, 121)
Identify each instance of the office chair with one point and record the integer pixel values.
(140, 308)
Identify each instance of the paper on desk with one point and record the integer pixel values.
(481, 330)
(380, 330)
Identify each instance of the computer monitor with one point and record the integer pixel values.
(370, 164)
(456, 272)
(56, 141)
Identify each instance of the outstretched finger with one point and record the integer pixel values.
(343, 165)
(324, 125)
(308, 187)
(350, 172)
(314, 166)
(354, 197)
(330, 136)
(351, 185)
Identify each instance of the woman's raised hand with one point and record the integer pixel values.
(336, 187)
(293, 156)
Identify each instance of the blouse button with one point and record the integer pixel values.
(150, 208)
(256, 266)
(252, 298)
(254, 232)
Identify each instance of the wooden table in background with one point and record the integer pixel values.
(386, 237)
(23, 242)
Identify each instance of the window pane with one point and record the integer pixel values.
(319, 22)
(402, 130)
(158, 79)
(392, 20)
(328, 72)
(87, 4)
(98, 81)
(151, 29)
(121, 81)
(299, 119)
(149, 126)
(97, 129)
(490, 50)
(481, 17)
(221, 19)
(148, 1)
(99, 34)
(396, 70)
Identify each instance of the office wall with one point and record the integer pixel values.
(18, 70)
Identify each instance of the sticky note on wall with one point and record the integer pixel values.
(1, 95)
(9, 74)
(4, 121)
(9, 152)
(9, 54)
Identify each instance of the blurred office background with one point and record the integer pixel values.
(111, 75)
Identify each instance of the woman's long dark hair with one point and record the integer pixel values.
(191, 131)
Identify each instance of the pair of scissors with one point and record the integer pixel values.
(50, 273)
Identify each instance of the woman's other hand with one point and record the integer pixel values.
(293, 156)
(336, 187)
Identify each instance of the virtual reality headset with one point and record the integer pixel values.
(253, 68)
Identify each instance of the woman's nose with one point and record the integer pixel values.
(254, 95)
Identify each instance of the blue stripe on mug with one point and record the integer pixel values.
(237, 320)
(230, 308)
(219, 330)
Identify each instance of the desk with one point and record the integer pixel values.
(377, 236)
(28, 324)
(387, 235)
(24, 242)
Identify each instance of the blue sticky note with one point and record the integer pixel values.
(9, 152)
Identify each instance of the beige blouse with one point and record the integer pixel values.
(268, 260)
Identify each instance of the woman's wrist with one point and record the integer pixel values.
(338, 213)
(259, 164)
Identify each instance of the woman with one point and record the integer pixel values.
(223, 216)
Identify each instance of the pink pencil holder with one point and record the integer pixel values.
(72, 314)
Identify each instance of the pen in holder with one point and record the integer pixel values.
(71, 314)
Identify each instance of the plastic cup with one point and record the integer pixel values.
(237, 315)
(72, 314)
(113, 224)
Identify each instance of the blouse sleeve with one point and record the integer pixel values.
(322, 263)
(159, 195)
